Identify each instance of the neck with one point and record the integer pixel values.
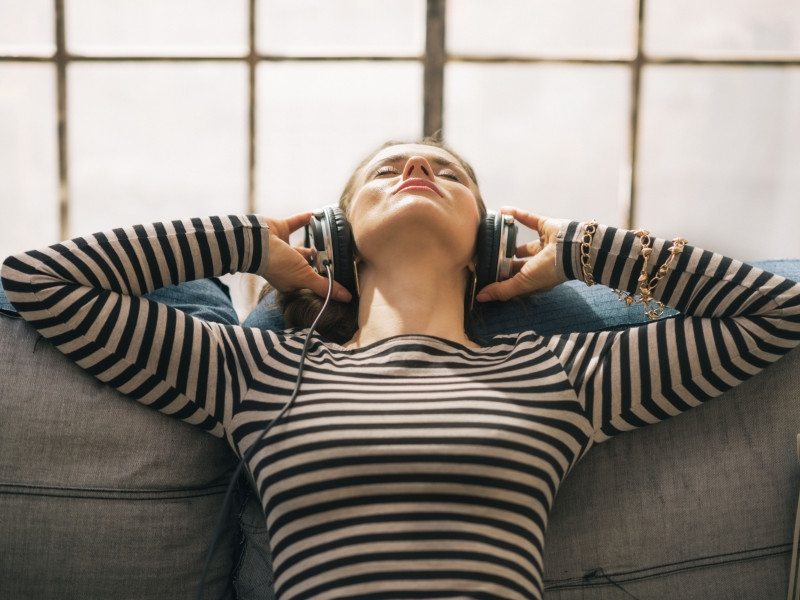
(407, 297)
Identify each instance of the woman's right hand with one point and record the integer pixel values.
(288, 268)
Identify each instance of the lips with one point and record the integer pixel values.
(418, 184)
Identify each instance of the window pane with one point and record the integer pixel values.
(156, 141)
(344, 27)
(151, 142)
(727, 28)
(551, 139)
(316, 121)
(719, 156)
(27, 27)
(157, 27)
(28, 161)
(593, 28)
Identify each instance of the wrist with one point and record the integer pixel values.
(569, 242)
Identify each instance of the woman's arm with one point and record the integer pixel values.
(84, 295)
(736, 319)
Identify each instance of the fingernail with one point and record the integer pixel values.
(482, 297)
(343, 296)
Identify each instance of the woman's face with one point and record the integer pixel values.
(419, 187)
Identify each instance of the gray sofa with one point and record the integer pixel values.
(700, 506)
(103, 498)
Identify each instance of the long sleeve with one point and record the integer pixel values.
(84, 296)
(735, 320)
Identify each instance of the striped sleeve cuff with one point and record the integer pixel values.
(568, 258)
(614, 256)
(258, 251)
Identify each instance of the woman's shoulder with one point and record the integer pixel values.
(279, 336)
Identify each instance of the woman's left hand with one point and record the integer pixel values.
(536, 271)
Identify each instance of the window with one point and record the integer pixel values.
(679, 115)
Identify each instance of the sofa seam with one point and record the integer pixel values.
(129, 494)
(664, 570)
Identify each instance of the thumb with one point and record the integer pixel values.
(319, 285)
(501, 290)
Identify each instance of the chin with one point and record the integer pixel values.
(418, 231)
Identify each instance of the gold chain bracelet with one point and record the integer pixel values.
(652, 308)
(586, 247)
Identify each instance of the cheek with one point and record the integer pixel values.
(472, 210)
(362, 205)
(358, 204)
(472, 221)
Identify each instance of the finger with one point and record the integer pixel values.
(517, 266)
(295, 222)
(530, 249)
(319, 285)
(503, 290)
(530, 220)
(306, 253)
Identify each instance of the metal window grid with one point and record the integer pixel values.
(434, 60)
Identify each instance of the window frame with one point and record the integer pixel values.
(434, 61)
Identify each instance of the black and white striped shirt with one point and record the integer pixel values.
(414, 467)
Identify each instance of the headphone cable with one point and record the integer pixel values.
(248, 455)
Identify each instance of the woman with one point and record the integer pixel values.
(415, 463)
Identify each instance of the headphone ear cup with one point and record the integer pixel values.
(341, 247)
(488, 249)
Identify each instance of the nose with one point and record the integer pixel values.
(417, 166)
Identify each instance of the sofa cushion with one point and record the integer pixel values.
(700, 506)
(207, 299)
(101, 497)
(571, 307)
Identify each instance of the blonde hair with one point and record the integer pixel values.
(340, 321)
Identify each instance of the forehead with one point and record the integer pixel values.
(406, 151)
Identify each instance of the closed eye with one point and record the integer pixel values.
(386, 170)
(449, 175)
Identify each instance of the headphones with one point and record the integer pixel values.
(329, 235)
